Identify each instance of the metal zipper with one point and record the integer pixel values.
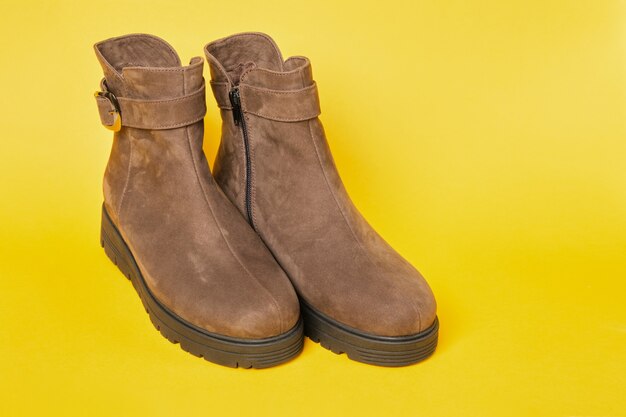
(235, 101)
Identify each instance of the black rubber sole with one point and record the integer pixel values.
(362, 347)
(220, 349)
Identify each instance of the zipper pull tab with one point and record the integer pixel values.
(235, 101)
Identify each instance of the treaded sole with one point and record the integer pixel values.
(366, 348)
(220, 349)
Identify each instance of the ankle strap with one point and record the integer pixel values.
(116, 112)
(280, 105)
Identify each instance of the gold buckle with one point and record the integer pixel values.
(117, 116)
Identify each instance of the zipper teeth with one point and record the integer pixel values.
(246, 146)
(239, 120)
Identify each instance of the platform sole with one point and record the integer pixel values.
(362, 347)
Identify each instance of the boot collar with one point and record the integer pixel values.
(145, 86)
(254, 59)
(141, 66)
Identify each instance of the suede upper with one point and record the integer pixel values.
(300, 208)
(196, 253)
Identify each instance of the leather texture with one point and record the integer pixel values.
(154, 114)
(196, 253)
(300, 208)
(283, 106)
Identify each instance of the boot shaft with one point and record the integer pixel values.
(262, 101)
(156, 103)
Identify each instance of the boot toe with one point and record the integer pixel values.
(392, 307)
(267, 316)
(244, 309)
(405, 310)
(413, 315)
(262, 316)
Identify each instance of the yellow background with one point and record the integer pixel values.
(485, 140)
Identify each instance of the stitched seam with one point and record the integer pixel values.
(281, 119)
(419, 316)
(172, 100)
(220, 99)
(162, 127)
(110, 69)
(281, 92)
(206, 199)
(216, 88)
(230, 69)
(242, 148)
(212, 60)
(166, 126)
(152, 69)
(279, 74)
(125, 189)
(162, 69)
(170, 126)
(246, 72)
(282, 73)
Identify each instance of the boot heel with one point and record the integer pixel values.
(113, 244)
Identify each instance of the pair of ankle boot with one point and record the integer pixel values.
(237, 266)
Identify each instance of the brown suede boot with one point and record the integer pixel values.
(205, 278)
(357, 294)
